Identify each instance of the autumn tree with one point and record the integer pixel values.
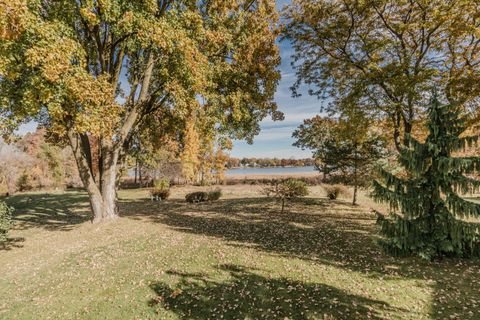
(383, 55)
(13, 162)
(347, 146)
(361, 146)
(219, 164)
(92, 72)
(190, 153)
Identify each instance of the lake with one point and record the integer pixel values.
(270, 171)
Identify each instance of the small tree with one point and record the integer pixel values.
(5, 221)
(286, 190)
(432, 215)
(346, 146)
(316, 134)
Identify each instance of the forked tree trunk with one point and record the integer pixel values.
(98, 166)
(101, 186)
(103, 205)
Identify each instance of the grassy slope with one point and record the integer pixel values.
(237, 259)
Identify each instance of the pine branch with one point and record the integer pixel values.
(466, 142)
(459, 164)
(464, 184)
(391, 180)
(462, 208)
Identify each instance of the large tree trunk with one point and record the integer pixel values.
(101, 185)
(99, 171)
(103, 205)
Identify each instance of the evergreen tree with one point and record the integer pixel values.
(433, 218)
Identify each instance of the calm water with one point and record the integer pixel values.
(275, 170)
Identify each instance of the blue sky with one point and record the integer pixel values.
(275, 138)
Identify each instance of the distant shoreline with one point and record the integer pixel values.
(265, 167)
(241, 176)
(250, 172)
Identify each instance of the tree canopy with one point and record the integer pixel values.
(383, 55)
(94, 71)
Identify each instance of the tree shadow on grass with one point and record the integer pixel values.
(12, 242)
(248, 295)
(49, 211)
(304, 230)
(331, 233)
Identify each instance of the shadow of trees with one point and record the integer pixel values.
(12, 242)
(49, 211)
(327, 232)
(247, 295)
(306, 230)
(330, 233)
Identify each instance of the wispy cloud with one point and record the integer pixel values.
(275, 139)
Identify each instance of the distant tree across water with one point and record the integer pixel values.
(268, 162)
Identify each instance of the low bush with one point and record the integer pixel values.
(5, 220)
(335, 190)
(202, 196)
(25, 182)
(199, 196)
(161, 189)
(214, 195)
(158, 195)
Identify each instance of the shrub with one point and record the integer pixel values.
(161, 189)
(158, 194)
(5, 220)
(334, 190)
(24, 182)
(198, 196)
(202, 196)
(286, 190)
(214, 195)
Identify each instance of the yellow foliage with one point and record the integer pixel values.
(189, 155)
(100, 113)
(13, 18)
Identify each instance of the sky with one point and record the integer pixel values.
(275, 138)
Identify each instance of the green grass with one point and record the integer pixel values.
(237, 258)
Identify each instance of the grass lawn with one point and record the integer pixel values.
(237, 258)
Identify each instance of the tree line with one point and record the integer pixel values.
(31, 163)
(232, 162)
